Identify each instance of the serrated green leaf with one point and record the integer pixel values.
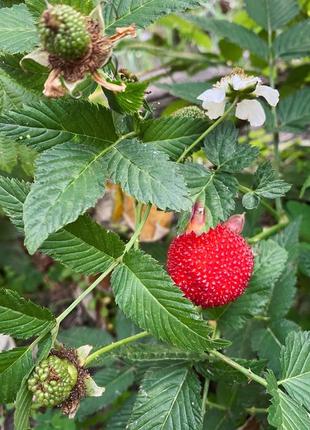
(119, 420)
(295, 365)
(12, 94)
(128, 101)
(272, 14)
(235, 33)
(115, 381)
(294, 111)
(84, 245)
(14, 365)
(147, 174)
(268, 340)
(294, 42)
(168, 399)
(304, 258)
(141, 12)
(49, 123)
(13, 193)
(185, 90)
(18, 32)
(223, 150)
(31, 79)
(69, 179)
(285, 413)
(23, 406)
(8, 154)
(36, 7)
(20, 317)
(270, 260)
(172, 134)
(267, 183)
(146, 294)
(216, 189)
(284, 291)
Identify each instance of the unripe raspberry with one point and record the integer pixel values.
(212, 269)
(64, 33)
(52, 381)
(190, 112)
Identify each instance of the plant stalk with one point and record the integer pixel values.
(275, 134)
(247, 372)
(139, 228)
(88, 290)
(205, 133)
(267, 232)
(95, 355)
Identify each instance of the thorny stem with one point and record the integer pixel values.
(95, 355)
(247, 372)
(205, 133)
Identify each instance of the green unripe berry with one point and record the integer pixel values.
(52, 381)
(190, 112)
(63, 32)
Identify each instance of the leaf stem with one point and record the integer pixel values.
(247, 372)
(205, 133)
(205, 397)
(275, 134)
(252, 410)
(267, 232)
(95, 355)
(139, 228)
(138, 213)
(76, 302)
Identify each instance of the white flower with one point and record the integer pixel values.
(247, 89)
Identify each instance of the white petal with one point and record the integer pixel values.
(214, 110)
(252, 111)
(83, 353)
(6, 342)
(241, 83)
(271, 95)
(92, 389)
(215, 95)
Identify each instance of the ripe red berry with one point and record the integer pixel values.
(213, 268)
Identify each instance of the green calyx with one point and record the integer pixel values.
(190, 112)
(52, 381)
(63, 32)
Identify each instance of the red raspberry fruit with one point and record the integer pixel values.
(212, 269)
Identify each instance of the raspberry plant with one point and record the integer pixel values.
(76, 127)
